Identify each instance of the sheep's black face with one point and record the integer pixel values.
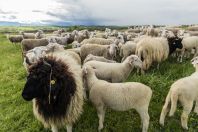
(37, 85)
(174, 43)
(63, 87)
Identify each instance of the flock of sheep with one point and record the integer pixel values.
(99, 63)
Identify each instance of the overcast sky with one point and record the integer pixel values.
(100, 12)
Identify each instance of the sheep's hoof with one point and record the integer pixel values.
(161, 123)
(100, 128)
(185, 127)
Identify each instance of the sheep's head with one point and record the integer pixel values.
(174, 43)
(134, 60)
(49, 77)
(76, 44)
(113, 50)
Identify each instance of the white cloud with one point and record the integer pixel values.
(100, 12)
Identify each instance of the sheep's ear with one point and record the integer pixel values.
(27, 60)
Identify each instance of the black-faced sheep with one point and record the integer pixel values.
(55, 86)
(156, 49)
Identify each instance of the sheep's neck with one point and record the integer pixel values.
(127, 69)
(91, 79)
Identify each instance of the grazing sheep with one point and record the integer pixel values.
(28, 35)
(59, 40)
(184, 90)
(100, 41)
(107, 51)
(91, 57)
(189, 43)
(55, 86)
(115, 72)
(156, 49)
(28, 44)
(15, 38)
(118, 96)
(127, 49)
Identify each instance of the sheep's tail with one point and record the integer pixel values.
(165, 109)
(174, 98)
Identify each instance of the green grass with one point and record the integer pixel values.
(16, 114)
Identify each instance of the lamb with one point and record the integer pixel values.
(15, 38)
(189, 43)
(118, 96)
(91, 57)
(100, 41)
(56, 89)
(76, 50)
(28, 44)
(156, 49)
(27, 35)
(107, 51)
(127, 49)
(184, 90)
(115, 72)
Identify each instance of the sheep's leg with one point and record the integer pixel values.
(101, 115)
(187, 109)
(181, 56)
(196, 50)
(69, 128)
(158, 65)
(143, 111)
(196, 107)
(54, 128)
(123, 58)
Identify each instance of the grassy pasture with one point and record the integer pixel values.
(16, 114)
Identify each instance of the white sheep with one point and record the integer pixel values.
(118, 96)
(91, 57)
(100, 41)
(115, 72)
(27, 35)
(15, 38)
(107, 51)
(59, 40)
(184, 90)
(28, 44)
(189, 43)
(127, 49)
